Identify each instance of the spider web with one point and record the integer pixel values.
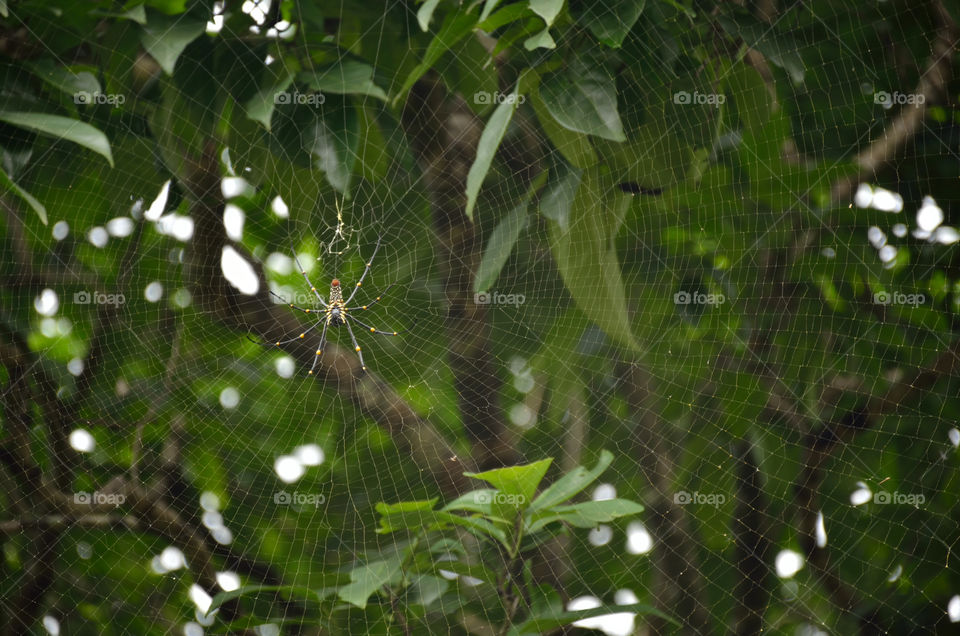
(743, 362)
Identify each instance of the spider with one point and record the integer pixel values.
(335, 312)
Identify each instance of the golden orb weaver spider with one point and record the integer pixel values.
(334, 312)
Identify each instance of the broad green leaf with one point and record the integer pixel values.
(489, 142)
(653, 157)
(4, 12)
(506, 15)
(583, 98)
(557, 200)
(165, 37)
(516, 480)
(260, 107)
(66, 80)
(137, 14)
(348, 77)
(503, 238)
(751, 97)
(585, 515)
(369, 578)
(542, 40)
(406, 506)
(333, 141)
(778, 47)
(476, 570)
(62, 128)
(455, 27)
(547, 9)
(545, 624)
(610, 22)
(574, 146)
(425, 13)
(587, 259)
(571, 483)
(488, 7)
(8, 184)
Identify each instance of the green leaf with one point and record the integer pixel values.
(8, 184)
(137, 14)
(780, 48)
(516, 480)
(544, 624)
(333, 141)
(587, 260)
(542, 40)
(572, 483)
(557, 200)
(62, 128)
(425, 13)
(506, 15)
(585, 515)
(583, 98)
(260, 107)
(65, 79)
(347, 77)
(488, 8)
(455, 27)
(574, 146)
(503, 238)
(165, 37)
(610, 22)
(547, 9)
(489, 142)
(367, 579)
(4, 12)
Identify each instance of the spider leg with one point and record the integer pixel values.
(304, 272)
(283, 342)
(376, 300)
(356, 347)
(366, 269)
(374, 330)
(323, 342)
(292, 306)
